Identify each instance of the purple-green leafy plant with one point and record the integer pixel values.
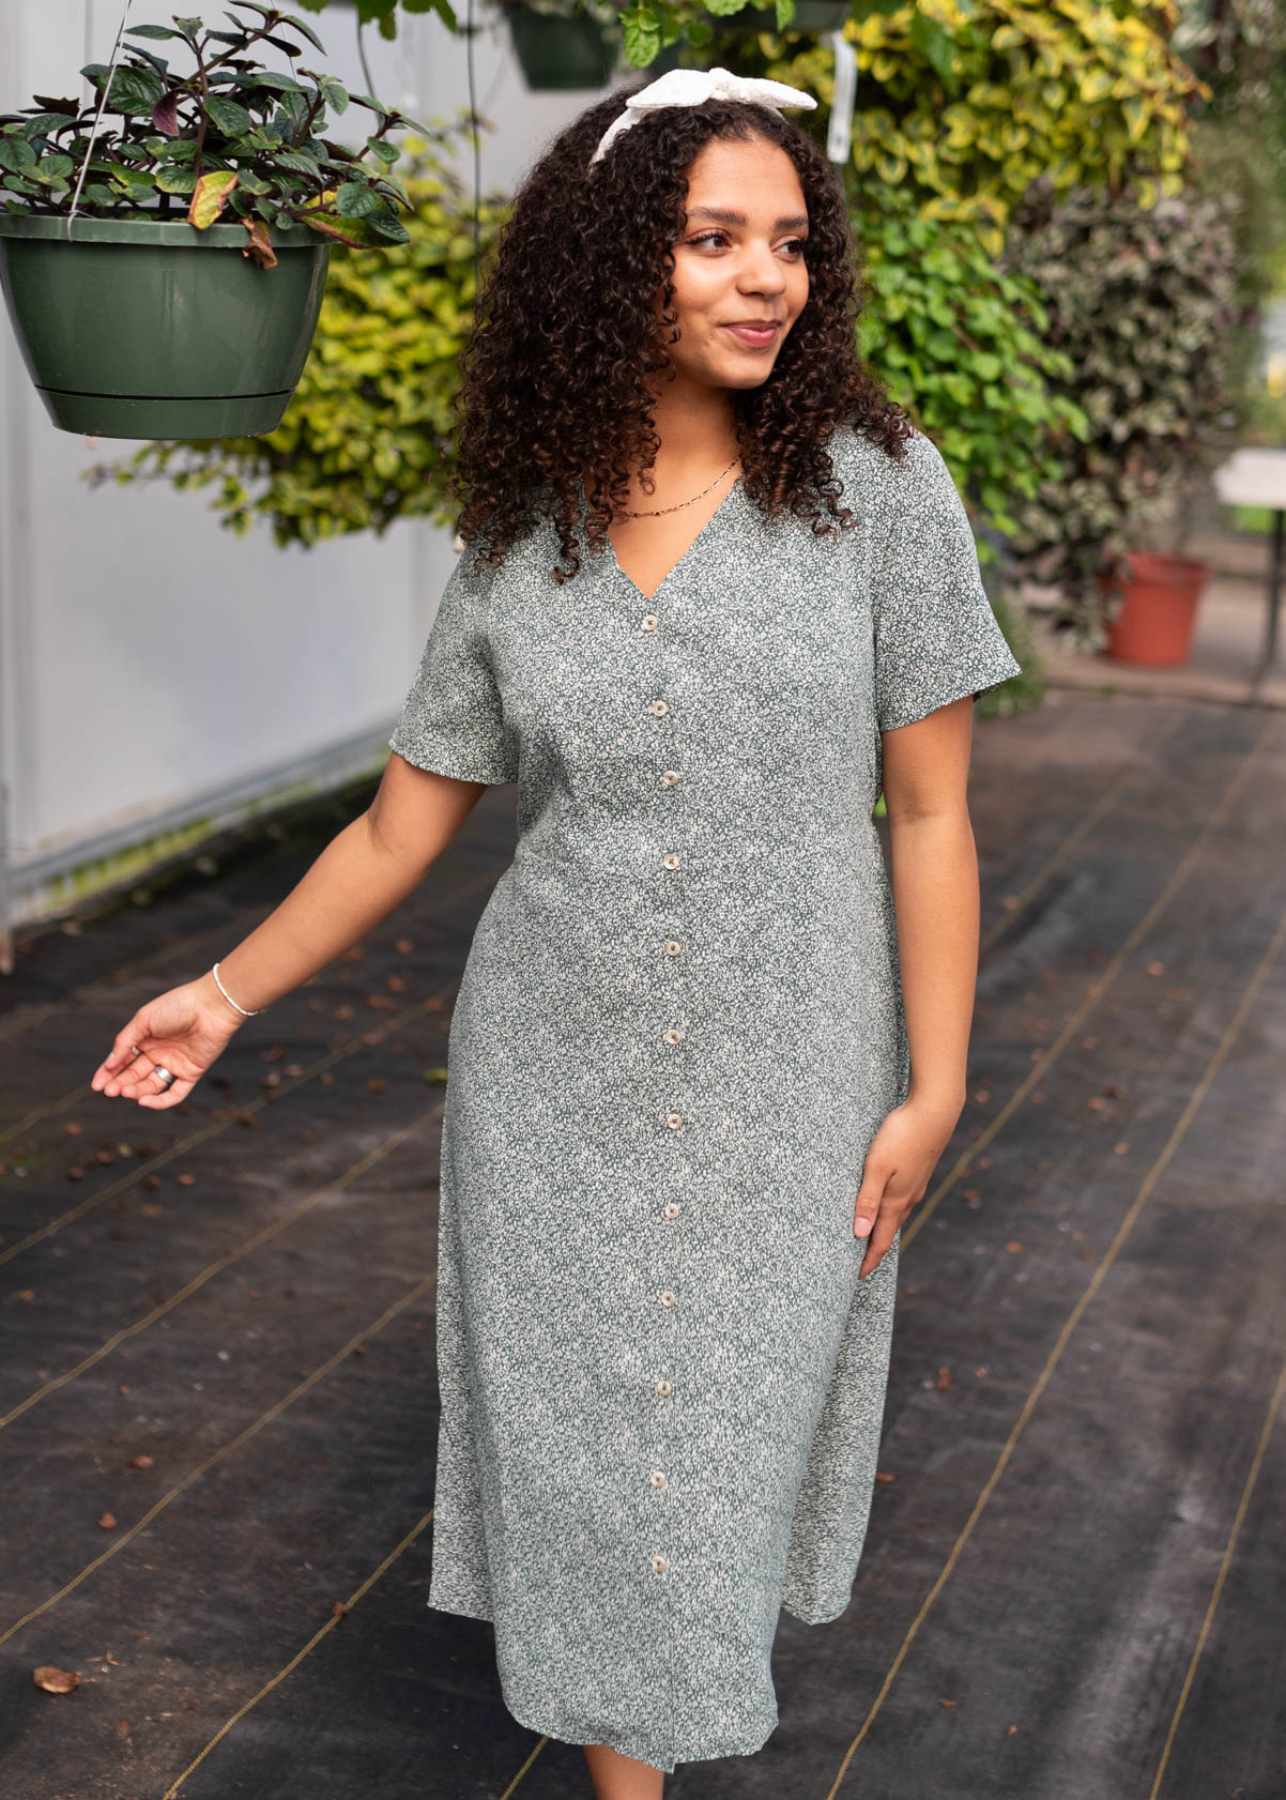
(227, 137)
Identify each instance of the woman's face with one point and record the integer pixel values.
(739, 262)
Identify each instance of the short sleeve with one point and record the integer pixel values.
(936, 637)
(452, 721)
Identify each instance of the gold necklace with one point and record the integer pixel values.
(656, 514)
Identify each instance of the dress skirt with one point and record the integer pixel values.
(678, 1029)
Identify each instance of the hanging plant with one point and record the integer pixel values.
(109, 215)
(564, 46)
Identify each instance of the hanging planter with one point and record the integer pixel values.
(561, 48)
(816, 17)
(1155, 625)
(147, 328)
(164, 274)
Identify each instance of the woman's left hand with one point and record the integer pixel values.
(899, 1164)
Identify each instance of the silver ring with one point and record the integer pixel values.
(163, 1075)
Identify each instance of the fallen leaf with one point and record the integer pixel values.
(944, 1377)
(107, 1521)
(338, 1609)
(376, 1084)
(141, 1461)
(55, 1681)
(1013, 1246)
(1156, 968)
(404, 946)
(186, 1180)
(946, 1703)
(435, 1074)
(259, 249)
(122, 1726)
(151, 1183)
(1120, 1149)
(72, 1129)
(883, 1475)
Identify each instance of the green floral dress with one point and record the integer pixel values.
(678, 1029)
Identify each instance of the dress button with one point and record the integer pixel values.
(671, 860)
(667, 1298)
(669, 778)
(674, 1035)
(659, 1564)
(659, 707)
(658, 1479)
(671, 1209)
(649, 621)
(673, 947)
(674, 1120)
(664, 1389)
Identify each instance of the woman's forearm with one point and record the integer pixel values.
(935, 896)
(356, 881)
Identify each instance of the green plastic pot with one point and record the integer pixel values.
(814, 16)
(148, 328)
(558, 55)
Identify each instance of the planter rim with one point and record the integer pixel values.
(176, 233)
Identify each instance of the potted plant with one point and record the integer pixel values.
(163, 252)
(564, 45)
(1142, 293)
(815, 17)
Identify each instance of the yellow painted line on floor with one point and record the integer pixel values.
(1257, 1463)
(275, 1411)
(1097, 988)
(1126, 1226)
(223, 1262)
(309, 1647)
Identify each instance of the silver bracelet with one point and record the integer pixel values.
(254, 1010)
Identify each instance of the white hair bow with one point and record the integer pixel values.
(689, 87)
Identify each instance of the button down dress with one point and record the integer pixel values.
(678, 1029)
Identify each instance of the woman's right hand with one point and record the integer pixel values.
(184, 1030)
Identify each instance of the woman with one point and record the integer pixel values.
(716, 591)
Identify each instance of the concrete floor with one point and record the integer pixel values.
(1075, 1578)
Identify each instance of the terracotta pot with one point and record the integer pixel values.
(1155, 624)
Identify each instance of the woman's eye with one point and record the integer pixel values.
(708, 237)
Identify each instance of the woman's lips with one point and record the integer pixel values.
(755, 337)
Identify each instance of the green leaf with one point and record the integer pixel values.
(54, 168)
(177, 181)
(387, 153)
(293, 20)
(299, 161)
(388, 227)
(229, 118)
(336, 93)
(354, 200)
(134, 90)
(16, 154)
(273, 78)
(158, 32)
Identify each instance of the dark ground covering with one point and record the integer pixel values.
(1075, 1581)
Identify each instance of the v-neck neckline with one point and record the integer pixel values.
(672, 571)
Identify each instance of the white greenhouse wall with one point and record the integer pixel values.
(160, 678)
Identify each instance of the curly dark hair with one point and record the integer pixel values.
(554, 369)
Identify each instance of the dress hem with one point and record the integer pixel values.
(620, 1742)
